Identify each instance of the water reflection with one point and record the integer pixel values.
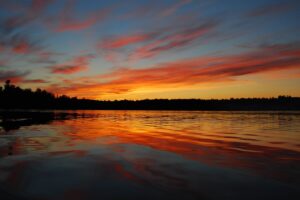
(12, 120)
(152, 154)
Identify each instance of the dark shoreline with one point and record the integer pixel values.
(13, 97)
(243, 104)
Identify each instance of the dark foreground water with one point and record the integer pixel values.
(153, 155)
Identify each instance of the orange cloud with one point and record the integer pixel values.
(185, 72)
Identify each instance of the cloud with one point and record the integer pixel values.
(66, 20)
(77, 64)
(173, 8)
(160, 11)
(28, 14)
(13, 75)
(13, 35)
(47, 57)
(110, 47)
(34, 81)
(21, 47)
(67, 69)
(12, 32)
(123, 41)
(187, 72)
(172, 40)
(147, 45)
(19, 43)
(1, 47)
(271, 9)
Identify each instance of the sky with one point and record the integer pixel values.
(139, 49)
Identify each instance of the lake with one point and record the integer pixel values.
(153, 155)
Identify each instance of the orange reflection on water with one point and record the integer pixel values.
(240, 140)
(155, 151)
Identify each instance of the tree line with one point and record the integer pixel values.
(14, 97)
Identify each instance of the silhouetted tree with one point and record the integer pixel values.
(12, 97)
(7, 85)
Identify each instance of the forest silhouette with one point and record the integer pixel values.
(14, 97)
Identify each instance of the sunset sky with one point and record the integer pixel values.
(139, 49)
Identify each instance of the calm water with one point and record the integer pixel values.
(154, 155)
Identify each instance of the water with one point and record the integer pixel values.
(153, 155)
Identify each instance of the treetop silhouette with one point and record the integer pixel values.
(14, 97)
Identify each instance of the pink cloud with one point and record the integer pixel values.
(29, 14)
(65, 69)
(13, 75)
(270, 9)
(39, 5)
(21, 44)
(172, 41)
(186, 72)
(173, 8)
(2, 47)
(123, 41)
(34, 81)
(147, 45)
(77, 64)
(21, 47)
(65, 21)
